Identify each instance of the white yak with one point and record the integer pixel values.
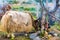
(14, 21)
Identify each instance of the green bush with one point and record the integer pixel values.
(57, 26)
(26, 9)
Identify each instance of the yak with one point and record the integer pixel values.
(14, 21)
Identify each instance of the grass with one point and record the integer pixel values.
(57, 26)
(22, 38)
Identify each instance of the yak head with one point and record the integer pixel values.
(37, 24)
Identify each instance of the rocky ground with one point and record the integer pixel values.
(35, 37)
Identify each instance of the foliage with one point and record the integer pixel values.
(12, 2)
(42, 33)
(21, 38)
(57, 26)
(21, 8)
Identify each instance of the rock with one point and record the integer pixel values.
(53, 33)
(34, 35)
(37, 38)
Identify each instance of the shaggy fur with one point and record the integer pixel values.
(14, 21)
